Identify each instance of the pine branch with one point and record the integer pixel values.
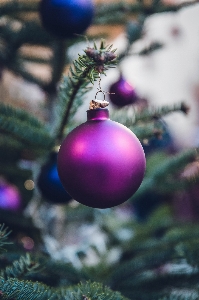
(131, 269)
(144, 124)
(30, 137)
(161, 233)
(157, 113)
(181, 294)
(22, 115)
(146, 132)
(20, 268)
(30, 33)
(58, 273)
(4, 233)
(13, 288)
(163, 177)
(148, 115)
(189, 250)
(144, 276)
(149, 49)
(12, 39)
(16, 289)
(94, 291)
(154, 283)
(24, 127)
(10, 149)
(20, 223)
(57, 64)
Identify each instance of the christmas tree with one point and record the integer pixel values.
(87, 221)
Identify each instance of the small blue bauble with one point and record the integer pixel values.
(49, 183)
(64, 18)
(165, 143)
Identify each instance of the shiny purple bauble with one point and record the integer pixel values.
(101, 163)
(10, 198)
(64, 18)
(122, 93)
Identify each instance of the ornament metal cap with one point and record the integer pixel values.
(98, 104)
(97, 114)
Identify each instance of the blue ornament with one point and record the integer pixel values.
(146, 204)
(163, 143)
(49, 183)
(64, 18)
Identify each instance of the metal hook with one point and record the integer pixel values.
(102, 93)
(99, 82)
(100, 88)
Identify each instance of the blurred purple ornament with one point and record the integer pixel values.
(185, 203)
(10, 198)
(122, 93)
(101, 163)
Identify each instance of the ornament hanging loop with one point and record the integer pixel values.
(102, 93)
(99, 103)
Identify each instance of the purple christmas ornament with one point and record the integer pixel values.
(101, 163)
(122, 93)
(10, 198)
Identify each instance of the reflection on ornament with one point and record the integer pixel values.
(101, 163)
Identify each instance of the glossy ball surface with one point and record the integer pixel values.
(122, 93)
(64, 18)
(10, 198)
(49, 183)
(101, 163)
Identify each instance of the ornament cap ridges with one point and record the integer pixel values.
(98, 114)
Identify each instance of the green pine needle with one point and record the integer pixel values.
(24, 266)
(4, 233)
(24, 127)
(16, 289)
(92, 291)
(164, 176)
